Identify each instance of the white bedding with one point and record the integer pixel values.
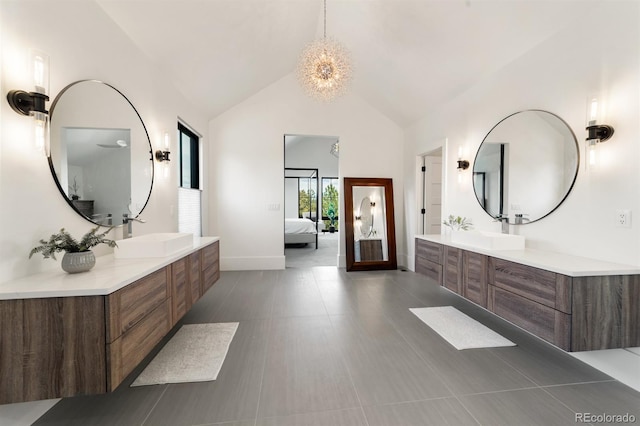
(299, 226)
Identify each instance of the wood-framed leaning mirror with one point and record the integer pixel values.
(369, 224)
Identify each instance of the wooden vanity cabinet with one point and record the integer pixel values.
(475, 270)
(210, 265)
(39, 343)
(180, 290)
(452, 269)
(80, 345)
(194, 277)
(429, 259)
(573, 313)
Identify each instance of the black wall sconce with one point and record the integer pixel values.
(163, 154)
(463, 165)
(27, 102)
(599, 132)
(34, 103)
(596, 133)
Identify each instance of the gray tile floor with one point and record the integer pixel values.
(321, 346)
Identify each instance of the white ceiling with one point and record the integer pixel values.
(408, 55)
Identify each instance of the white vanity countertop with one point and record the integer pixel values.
(106, 277)
(565, 264)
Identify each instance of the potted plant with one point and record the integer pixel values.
(458, 223)
(74, 189)
(331, 214)
(78, 256)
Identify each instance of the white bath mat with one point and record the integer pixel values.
(194, 354)
(458, 329)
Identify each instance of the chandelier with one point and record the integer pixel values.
(324, 69)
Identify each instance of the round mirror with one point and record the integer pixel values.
(366, 217)
(526, 166)
(100, 154)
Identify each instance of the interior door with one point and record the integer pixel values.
(432, 194)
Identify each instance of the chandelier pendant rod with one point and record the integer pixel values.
(325, 20)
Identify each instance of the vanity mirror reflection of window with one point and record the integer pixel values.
(526, 166)
(100, 155)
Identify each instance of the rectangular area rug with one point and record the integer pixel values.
(194, 354)
(458, 329)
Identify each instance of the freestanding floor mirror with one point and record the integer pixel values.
(369, 224)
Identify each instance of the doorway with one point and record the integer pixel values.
(311, 200)
(430, 192)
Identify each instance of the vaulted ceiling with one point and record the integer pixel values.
(408, 55)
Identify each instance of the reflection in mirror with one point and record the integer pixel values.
(365, 216)
(370, 234)
(100, 152)
(525, 166)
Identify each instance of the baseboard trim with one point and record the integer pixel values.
(252, 263)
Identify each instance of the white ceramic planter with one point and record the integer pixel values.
(78, 262)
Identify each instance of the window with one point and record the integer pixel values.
(330, 198)
(189, 194)
(189, 158)
(307, 199)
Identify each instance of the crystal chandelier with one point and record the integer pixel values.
(324, 68)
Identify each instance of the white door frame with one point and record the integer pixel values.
(419, 181)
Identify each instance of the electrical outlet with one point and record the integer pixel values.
(623, 218)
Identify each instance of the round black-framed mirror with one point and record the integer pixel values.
(100, 152)
(526, 166)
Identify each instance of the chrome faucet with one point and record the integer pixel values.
(504, 219)
(520, 219)
(127, 228)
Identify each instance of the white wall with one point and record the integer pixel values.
(558, 75)
(83, 43)
(249, 152)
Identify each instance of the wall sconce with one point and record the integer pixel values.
(33, 103)
(462, 164)
(162, 155)
(596, 132)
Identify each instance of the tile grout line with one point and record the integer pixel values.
(431, 367)
(235, 283)
(342, 358)
(264, 366)
(154, 405)
(266, 349)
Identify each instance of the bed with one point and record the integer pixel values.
(300, 231)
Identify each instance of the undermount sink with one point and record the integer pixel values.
(488, 240)
(153, 245)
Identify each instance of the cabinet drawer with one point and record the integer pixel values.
(533, 283)
(452, 269)
(430, 269)
(429, 251)
(130, 304)
(475, 277)
(209, 276)
(543, 321)
(180, 296)
(210, 255)
(193, 265)
(126, 352)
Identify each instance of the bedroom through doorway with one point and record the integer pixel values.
(311, 200)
